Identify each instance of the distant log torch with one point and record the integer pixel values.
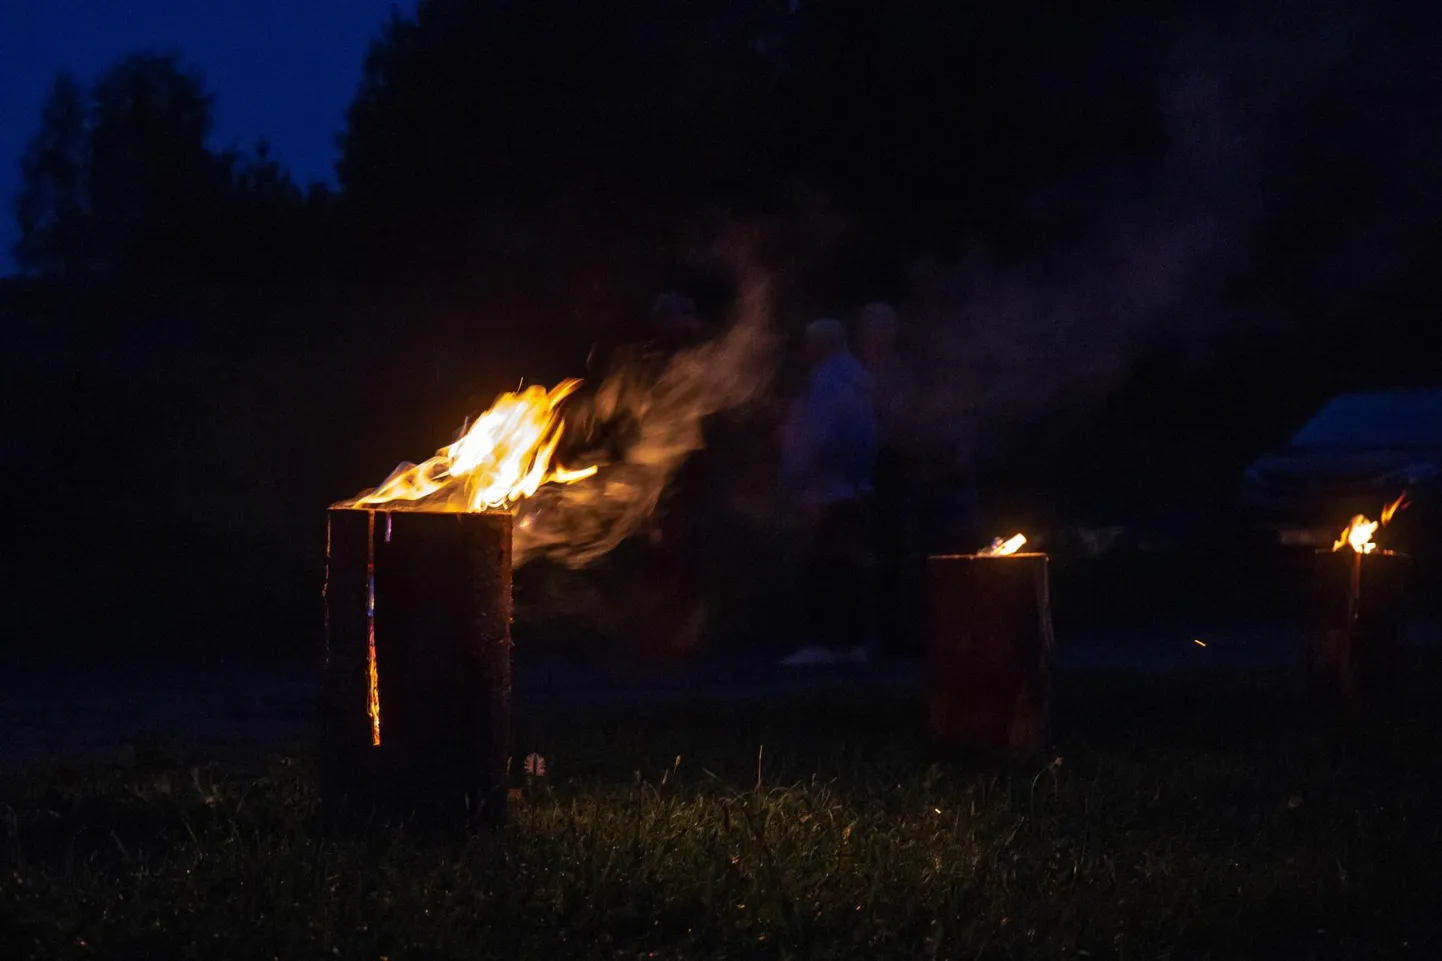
(1357, 642)
(990, 651)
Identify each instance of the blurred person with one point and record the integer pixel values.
(681, 603)
(828, 458)
(896, 516)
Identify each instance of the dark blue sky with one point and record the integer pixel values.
(279, 69)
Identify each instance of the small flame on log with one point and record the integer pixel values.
(1001, 548)
(1358, 532)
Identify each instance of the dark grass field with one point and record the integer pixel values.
(1190, 818)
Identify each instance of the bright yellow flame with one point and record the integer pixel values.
(1001, 548)
(562, 476)
(504, 457)
(1199, 642)
(1358, 534)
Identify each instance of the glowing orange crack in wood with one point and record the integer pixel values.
(373, 697)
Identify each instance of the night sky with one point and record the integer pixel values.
(280, 69)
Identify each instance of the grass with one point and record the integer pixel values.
(1195, 820)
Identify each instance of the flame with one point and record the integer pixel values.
(1359, 532)
(562, 476)
(502, 458)
(1001, 548)
(1391, 509)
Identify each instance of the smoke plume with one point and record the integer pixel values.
(1257, 137)
(659, 416)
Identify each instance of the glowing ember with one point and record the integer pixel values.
(373, 696)
(502, 458)
(1001, 548)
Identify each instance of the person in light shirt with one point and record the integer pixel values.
(829, 448)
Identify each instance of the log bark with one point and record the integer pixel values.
(990, 654)
(1357, 639)
(425, 600)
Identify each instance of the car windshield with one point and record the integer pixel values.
(1410, 418)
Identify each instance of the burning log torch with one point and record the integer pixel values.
(417, 680)
(1357, 640)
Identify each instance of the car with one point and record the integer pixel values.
(1361, 452)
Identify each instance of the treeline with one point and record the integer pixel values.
(525, 152)
(486, 136)
(120, 184)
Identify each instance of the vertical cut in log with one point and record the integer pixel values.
(990, 653)
(1357, 641)
(417, 681)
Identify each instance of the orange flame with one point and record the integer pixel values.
(1391, 509)
(502, 458)
(1001, 548)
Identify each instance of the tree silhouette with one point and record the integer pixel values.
(53, 202)
(120, 182)
(154, 185)
(271, 228)
(492, 125)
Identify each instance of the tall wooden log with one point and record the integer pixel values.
(1357, 639)
(417, 681)
(990, 653)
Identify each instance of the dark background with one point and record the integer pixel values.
(1134, 244)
